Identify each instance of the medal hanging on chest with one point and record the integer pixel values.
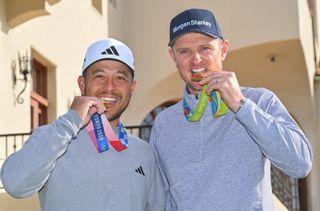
(101, 133)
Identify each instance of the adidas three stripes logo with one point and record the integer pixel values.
(140, 170)
(111, 51)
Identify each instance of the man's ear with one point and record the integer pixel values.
(133, 86)
(82, 84)
(224, 49)
(171, 53)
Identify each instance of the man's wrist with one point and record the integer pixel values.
(242, 102)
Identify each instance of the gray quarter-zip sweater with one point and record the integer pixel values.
(60, 162)
(223, 164)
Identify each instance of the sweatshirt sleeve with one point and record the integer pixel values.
(25, 172)
(278, 136)
(156, 196)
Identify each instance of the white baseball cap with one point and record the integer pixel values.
(108, 49)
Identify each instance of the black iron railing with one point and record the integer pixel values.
(10, 143)
(284, 187)
(142, 131)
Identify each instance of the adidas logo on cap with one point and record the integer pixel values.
(108, 49)
(111, 51)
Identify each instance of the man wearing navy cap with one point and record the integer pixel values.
(85, 160)
(216, 145)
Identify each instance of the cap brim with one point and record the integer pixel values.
(85, 70)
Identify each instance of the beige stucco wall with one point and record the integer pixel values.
(7, 203)
(59, 40)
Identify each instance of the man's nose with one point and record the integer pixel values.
(197, 58)
(109, 84)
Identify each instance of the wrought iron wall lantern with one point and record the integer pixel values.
(25, 68)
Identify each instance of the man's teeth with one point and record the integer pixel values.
(198, 70)
(108, 99)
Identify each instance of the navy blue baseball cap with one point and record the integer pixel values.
(194, 20)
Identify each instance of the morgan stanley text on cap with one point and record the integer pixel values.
(194, 20)
(108, 49)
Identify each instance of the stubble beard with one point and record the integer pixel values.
(118, 113)
(190, 84)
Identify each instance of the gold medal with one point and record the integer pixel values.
(197, 74)
(196, 77)
(107, 102)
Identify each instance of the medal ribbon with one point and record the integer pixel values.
(101, 133)
(218, 106)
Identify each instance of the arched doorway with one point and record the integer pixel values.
(144, 132)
